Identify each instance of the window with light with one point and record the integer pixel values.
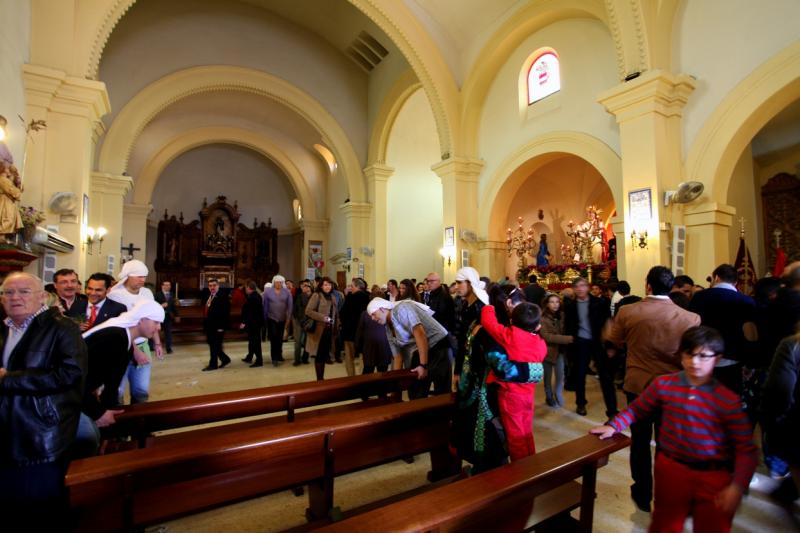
(544, 77)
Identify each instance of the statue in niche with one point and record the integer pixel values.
(10, 191)
(219, 240)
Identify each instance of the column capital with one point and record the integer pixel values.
(54, 90)
(318, 225)
(105, 183)
(655, 91)
(710, 213)
(356, 209)
(460, 168)
(137, 210)
(493, 245)
(378, 172)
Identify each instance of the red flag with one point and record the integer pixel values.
(744, 269)
(780, 262)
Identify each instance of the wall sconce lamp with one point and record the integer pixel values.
(3, 124)
(448, 253)
(638, 237)
(94, 236)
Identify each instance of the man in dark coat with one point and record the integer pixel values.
(41, 384)
(584, 319)
(167, 300)
(439, 300)
(216, 317)
(355, 303)
(252, 321)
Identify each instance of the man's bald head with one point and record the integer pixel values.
(39, 284)
(433, 281)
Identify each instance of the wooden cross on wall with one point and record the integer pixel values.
(129, 249)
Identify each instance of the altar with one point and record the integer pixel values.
(215, 246)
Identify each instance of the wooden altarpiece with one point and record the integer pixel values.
(780, 201)
(218, 246)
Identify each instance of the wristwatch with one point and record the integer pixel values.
(425, 366)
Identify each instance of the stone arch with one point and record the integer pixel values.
(498, 48)
(146, 182)
(738, 118)
(157, 96)
(394, 18)
(509, 176)
(406, 85)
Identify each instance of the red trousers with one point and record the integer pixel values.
(681, 491)
(516, 414)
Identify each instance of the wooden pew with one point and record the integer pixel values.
(145, 486)
(141, 420)
(513, 497)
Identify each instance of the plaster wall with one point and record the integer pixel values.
(561, 189)
(713, 41)
(745, 195)
(588, 66)
(415, 231)
(381, 81)
(157, 38)
(337, 227)
(14, 52)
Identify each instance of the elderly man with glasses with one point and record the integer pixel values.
(44, 362)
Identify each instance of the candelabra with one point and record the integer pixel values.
(520, 242)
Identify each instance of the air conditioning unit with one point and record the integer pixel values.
(51, 240)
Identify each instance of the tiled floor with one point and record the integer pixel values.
(180, 376)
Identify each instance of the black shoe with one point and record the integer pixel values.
(581, 410)
(209, 368)
(306, 362)
(225, 363)
(276, 363)
(169, 350)
(281, 359)
(550, 402)
(297, 363)
(256, 365)
(642, 502)
(247, 359)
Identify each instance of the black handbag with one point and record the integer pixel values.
(309, 324)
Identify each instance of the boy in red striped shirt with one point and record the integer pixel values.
(705, 455)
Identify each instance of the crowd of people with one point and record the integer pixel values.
(699, 367)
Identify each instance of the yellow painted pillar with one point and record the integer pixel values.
(460, 198)
(317, 230)
(377, 176)
(358, 236)
(648, 110)
(707, 238)
(106, 200)
(59, 158)
(134, 229)
(492, 259)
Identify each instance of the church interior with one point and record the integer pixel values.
(241, 139)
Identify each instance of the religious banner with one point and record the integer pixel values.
(315, 257)
(744, 269)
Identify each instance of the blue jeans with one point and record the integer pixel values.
(139, 379)
(554, 393)
(87, 440)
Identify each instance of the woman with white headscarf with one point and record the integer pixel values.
(110, 348)
(277, 310)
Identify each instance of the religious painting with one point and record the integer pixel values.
(450, 236)
(315, 257)
(640, 205)
(224, 277)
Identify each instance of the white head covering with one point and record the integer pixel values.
(267, 285)
(478, 287)
(278, 277)
(134, 267)
(380, 303)
(143, 309)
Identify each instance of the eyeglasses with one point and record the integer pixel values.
(702, 355)
(23, 293)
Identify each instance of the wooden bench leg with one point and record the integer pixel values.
(589, 483)
(320, 492)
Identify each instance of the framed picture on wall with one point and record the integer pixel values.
(450, 236)
(640, 205)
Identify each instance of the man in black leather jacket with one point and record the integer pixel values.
(44, 362)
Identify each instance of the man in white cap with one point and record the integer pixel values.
(418, 342)
(473, 294)
(110, 346)
(130, 290)
(277, 310)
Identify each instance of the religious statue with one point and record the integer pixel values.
(543, 257)
(10, 191)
